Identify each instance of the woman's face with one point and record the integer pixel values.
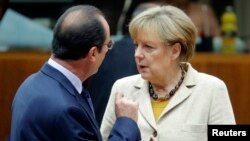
(152, 57)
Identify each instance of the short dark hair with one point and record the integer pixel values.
(76, 31)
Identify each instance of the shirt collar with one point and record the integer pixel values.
(76, 82)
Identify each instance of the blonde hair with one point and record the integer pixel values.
(172, 26)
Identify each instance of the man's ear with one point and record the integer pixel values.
(176, 50)
(92, 54)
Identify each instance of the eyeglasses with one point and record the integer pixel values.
(110, 45)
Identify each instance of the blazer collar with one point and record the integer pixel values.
(191, 76)
(142, 95)
(60, 78)
(143, 98)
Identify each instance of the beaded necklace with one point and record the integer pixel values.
(154, 96)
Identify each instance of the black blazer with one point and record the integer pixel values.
(47, 107)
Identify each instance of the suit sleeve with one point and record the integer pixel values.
(125, 129)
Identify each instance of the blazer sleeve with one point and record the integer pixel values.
(125, 129)
(109, 117)
(221, 109)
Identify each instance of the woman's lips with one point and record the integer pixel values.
(142, 67)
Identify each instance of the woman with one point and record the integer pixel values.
(175, 101)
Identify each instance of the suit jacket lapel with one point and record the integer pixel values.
(184, 92)
(86, 108)
(143, 98)
(145, 106)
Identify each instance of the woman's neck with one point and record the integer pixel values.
(167, 83)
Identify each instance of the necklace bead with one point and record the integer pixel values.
(154, 96)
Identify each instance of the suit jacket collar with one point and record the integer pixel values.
(142, 96)
(60, 78)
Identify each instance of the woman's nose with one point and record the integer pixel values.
(138, 53)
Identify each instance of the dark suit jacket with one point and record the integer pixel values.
(119, 62)
(47, 107)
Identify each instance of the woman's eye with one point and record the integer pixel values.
(148, 48)
(144, 47)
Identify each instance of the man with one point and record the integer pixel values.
(52, 104)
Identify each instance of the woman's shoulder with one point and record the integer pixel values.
(204, 78)
(210, 79)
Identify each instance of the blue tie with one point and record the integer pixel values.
(87, 97)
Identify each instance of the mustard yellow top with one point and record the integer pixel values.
(158, 106)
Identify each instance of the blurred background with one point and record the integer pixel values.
(222, 48)
(46, 12)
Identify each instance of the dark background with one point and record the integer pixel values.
(111, 8)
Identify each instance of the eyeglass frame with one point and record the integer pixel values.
(110, 45)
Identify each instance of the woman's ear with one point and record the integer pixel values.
(176, 50)
(92, 54)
